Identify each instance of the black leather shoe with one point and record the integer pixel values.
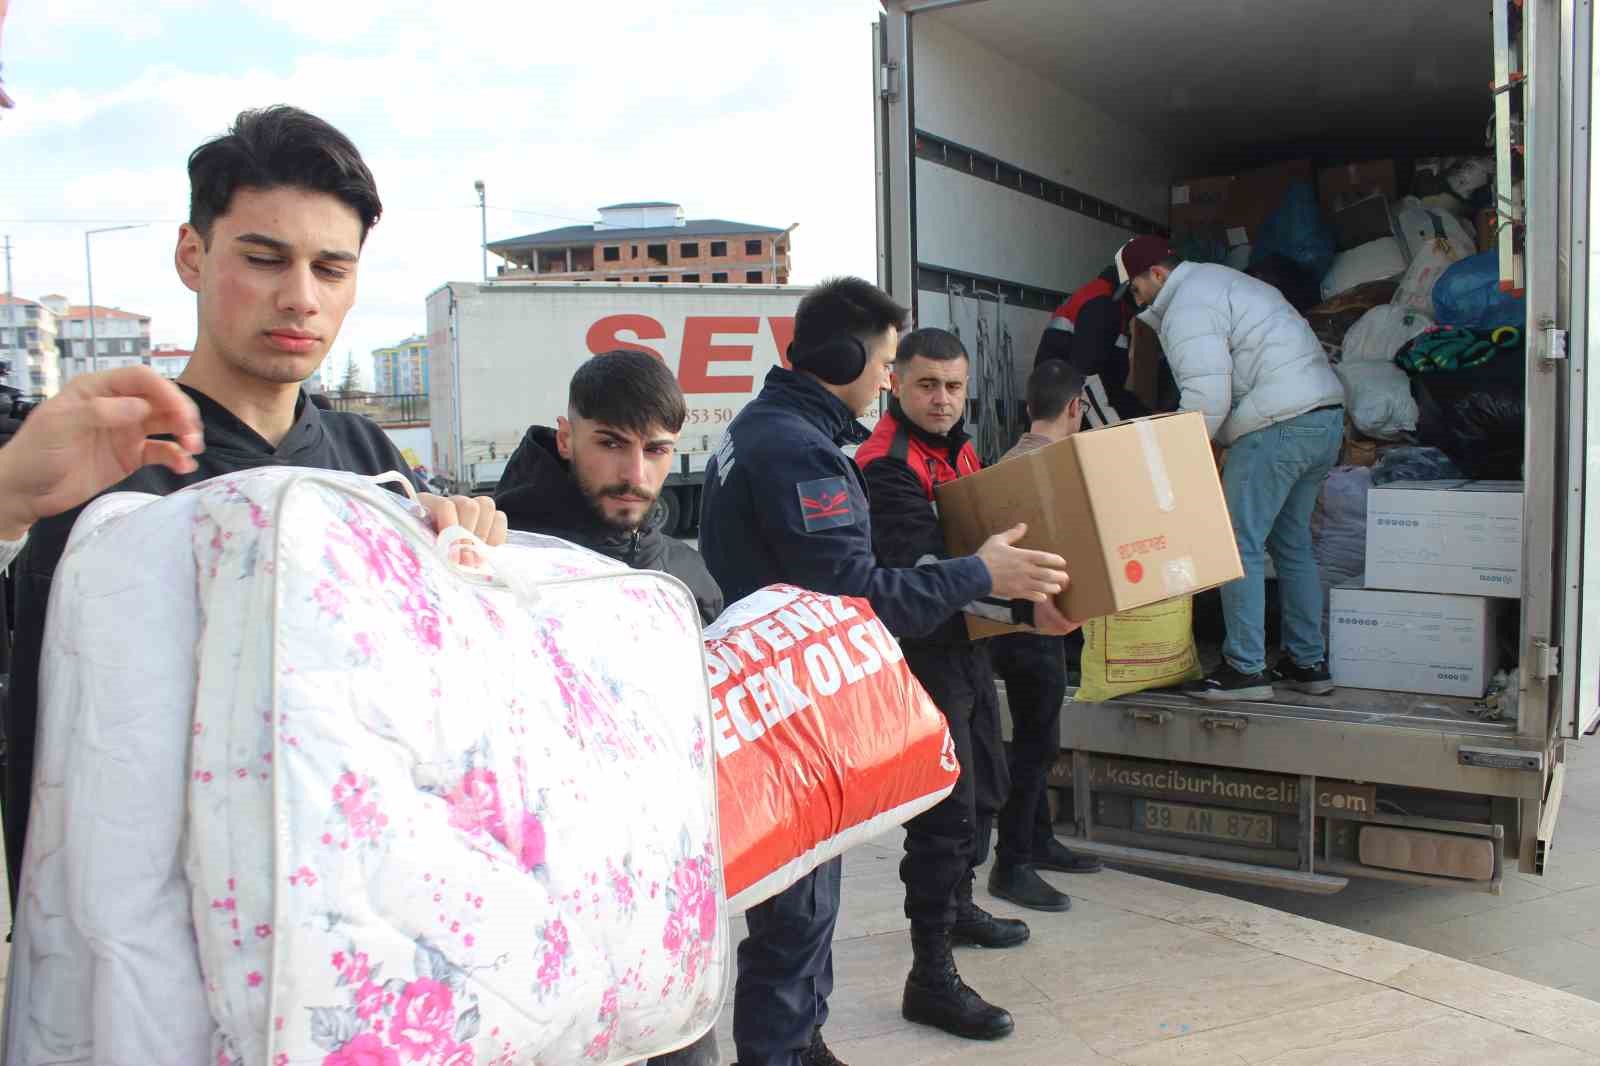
(1021, 885)
(818, 1054)
(936, 995)
(974, 925)
(1062, 859)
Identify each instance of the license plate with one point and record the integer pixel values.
(1211, 823)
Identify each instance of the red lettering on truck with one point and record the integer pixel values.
(603, 335)
(699, 352)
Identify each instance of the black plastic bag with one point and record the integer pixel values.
(1414, 464)
(1302, 289)
(1475, 416)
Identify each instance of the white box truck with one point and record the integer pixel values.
(1019, 142)
(502, 354)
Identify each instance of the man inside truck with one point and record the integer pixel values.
(919, 444)
(1034, 668)
(781, 452)
(1090, 333)
(1246, 360)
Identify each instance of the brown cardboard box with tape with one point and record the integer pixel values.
(1136, 509)
(1355, 181)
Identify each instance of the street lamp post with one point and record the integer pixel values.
(483, 217)
(779, 239)
(88, 269)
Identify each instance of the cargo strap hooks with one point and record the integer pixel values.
(996, 420)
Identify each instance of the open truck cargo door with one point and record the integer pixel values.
(1010, 166)
(1580, 234)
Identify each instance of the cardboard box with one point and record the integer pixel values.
(1199, 202)
(1487, 224)
(1362, 221)
(1356, 180)
(1136, 509)
(1411, 641)
(1237, 204)
(1461, 537)
(1144, 364)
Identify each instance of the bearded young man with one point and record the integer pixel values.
(594, 477)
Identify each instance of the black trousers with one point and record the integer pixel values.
(947, 842)
(1034, 669)
(786, 970)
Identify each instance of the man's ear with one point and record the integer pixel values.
(189, 255)
(564, 437)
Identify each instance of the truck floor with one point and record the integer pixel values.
(1142, 973)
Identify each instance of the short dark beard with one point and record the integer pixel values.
(593, 496)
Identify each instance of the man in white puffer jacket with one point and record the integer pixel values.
(1244, 358)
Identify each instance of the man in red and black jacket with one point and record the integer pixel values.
(917, 445)
(1090, 332)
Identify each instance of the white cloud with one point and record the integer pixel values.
(738, 110)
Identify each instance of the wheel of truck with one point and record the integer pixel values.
(666, 514)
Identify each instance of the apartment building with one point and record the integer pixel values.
(401, 369)
(650, 241)
(29, 359)
(120, 338)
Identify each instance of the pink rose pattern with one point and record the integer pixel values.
(516, 814)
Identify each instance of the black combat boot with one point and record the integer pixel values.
(974, 925)
(937, 996)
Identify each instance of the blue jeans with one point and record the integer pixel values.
(1271, 480)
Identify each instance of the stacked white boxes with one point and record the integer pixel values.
(1440, 554)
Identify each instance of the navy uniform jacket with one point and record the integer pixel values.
(783, 504)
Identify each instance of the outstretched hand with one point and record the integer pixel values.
(90, 436)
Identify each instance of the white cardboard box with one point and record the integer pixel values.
(1461, 537)
(1411, 641)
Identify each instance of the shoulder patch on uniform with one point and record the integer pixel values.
(825, 503)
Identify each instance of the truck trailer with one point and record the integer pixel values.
(1020, 142)
(503, 352)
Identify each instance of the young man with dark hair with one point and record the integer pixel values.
(592, 481)
(1034, 669)
(1246, 359)
(594, 477)
(918, 445)
(280, 207)
(763, 520)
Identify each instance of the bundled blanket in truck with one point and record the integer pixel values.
(309, 793)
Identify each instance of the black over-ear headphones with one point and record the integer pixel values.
(838, 360)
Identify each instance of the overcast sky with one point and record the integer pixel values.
(738, 109)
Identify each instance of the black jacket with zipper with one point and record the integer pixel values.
(538, 494)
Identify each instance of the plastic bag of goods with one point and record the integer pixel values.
(387, 808)
(1436, 241)
(1377, 393)
(1149, 647)
(1296, 232)
(1339, 527)
(1417, 224)
(1415, 463)
(1476, 417)
(1374, 261)
(823, 737)
(1469, 294)
(1332, 319)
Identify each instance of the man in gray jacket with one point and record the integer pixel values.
(1244, 358)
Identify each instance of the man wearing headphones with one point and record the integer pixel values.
(783, 503)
